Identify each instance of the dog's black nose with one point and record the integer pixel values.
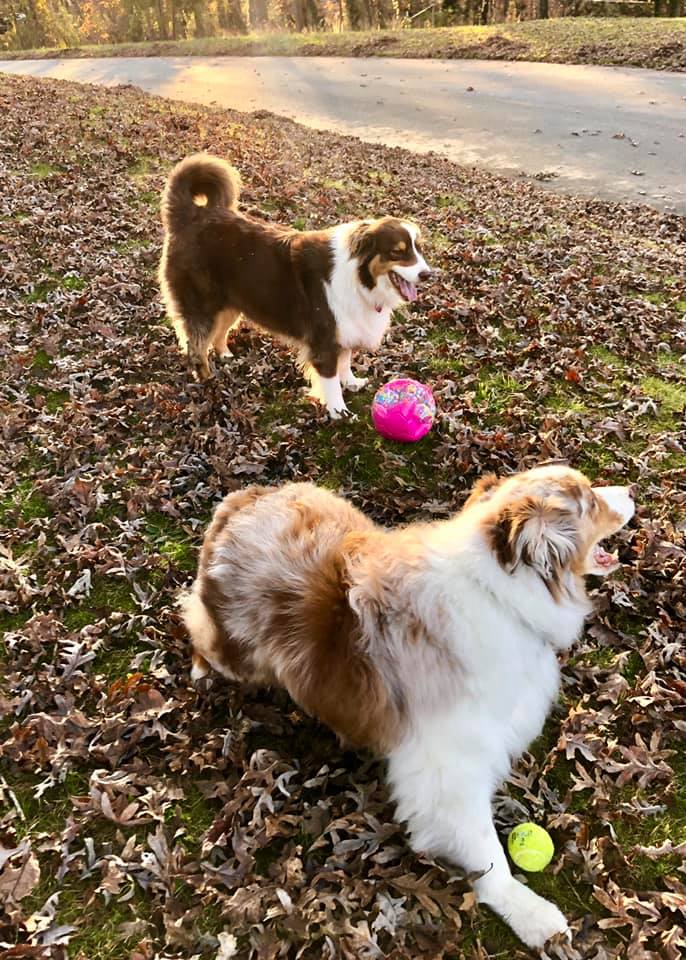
(425, 274)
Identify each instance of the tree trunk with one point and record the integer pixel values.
(257, 12)
(162, 21)
(542, 9)
(231, 16)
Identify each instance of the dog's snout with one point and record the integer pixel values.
(425, 274)
(618, 499)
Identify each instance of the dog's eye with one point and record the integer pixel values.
(396, 255)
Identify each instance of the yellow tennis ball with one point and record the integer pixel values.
(530, 847)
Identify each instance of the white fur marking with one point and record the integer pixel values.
(333, 396)
(358, 322)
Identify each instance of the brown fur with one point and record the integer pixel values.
(551, 528)
(297, 588)
(218, 264)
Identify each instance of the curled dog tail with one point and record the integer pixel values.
(196, 184)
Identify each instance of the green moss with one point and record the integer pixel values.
(607, 356)
(573, 897)
(149, 198)
(11, 622)
(25, 503)
(560, 400)
(632, 666)
(495, 390)
(196, 814)
(300, 223)
(41, 361)
(670, 397)
(170, 540)
(495, 936)
(446, 365)
(143, 166)
(55, 400)
(669, 358)
(440, 242)
(40, 292)
(47, 813)
(73, 282)
(451, 201)
(114, 663)
(42, 170)
(108, 595)
(594, 460)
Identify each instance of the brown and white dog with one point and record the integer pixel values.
(327, 291)
(434, 645)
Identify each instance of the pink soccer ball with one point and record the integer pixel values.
(403, 410)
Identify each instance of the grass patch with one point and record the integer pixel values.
(108, 595)
(40, 292)
(23, 503)
(170, 540)
(495, 390)
(143, 166)
(73, 282)
(41, 170)
(195, 813)
(670, 397)
(150, 198)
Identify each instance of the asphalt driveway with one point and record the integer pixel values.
(607, 132)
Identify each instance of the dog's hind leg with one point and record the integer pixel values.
(224, 321)
(199, 334)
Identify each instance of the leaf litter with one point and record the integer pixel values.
(141, 818)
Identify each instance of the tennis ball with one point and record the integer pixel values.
(530, 847)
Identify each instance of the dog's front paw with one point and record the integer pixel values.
(338, 413)
(532, 918)
(355, 383)
(224, 355)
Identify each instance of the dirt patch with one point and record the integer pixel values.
(372, 48)
(494, 48)
(672, 53)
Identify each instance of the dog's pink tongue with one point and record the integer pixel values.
(603, 558)
(409, 291)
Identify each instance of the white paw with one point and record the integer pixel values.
(223, 355)
(355, 383)
(338, 414)
(532, 918)
(199, 670)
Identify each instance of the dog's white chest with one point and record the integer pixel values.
(364, 328)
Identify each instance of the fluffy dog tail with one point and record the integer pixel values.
(196, 184)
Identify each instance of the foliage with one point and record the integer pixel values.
(27, 24)
(657, 43)
(140, 818)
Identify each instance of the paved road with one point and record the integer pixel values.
(602, 131)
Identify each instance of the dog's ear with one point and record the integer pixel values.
(483, 489)
(539, 532)
(363, 242)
